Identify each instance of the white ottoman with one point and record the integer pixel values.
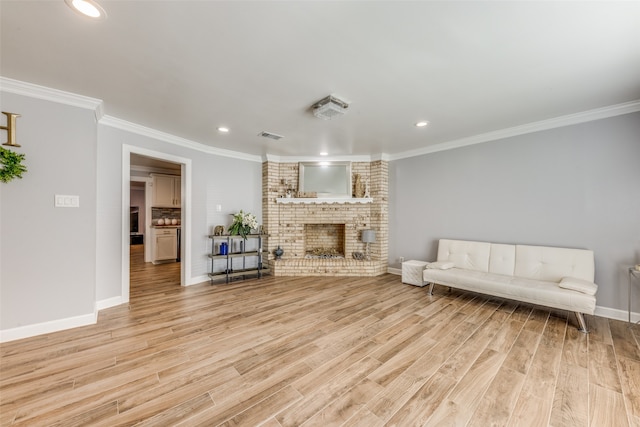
(412, 272)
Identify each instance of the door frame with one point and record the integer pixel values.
(185, 212)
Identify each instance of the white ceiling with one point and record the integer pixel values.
(187, 67)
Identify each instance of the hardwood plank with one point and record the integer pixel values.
(419, 408)
(314, 402)
(78, 401)
(624, 340)
(522, 351)
(173, 415)
(499, 400)
(363, 417)
(571, 400)
(575, 349)
(543, 373)
(468, 392)
(603, 370)
(606, 407)
(530, 411)
(263, 410)
(630, 379)
(345, 406)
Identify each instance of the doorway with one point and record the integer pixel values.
(138, 163)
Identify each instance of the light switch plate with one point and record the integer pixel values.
(66, 201)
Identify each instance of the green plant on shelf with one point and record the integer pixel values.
(243, 223)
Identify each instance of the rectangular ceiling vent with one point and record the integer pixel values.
(270, 135)
(329, 107)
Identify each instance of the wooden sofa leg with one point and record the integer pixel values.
(582, 326)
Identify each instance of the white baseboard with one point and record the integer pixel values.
(47, 327)
(197, 280)
(108, 303)
(614, 313)
(392, 270)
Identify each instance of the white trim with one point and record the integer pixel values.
(176, 140)
(108, 303)
(54, 95)
(324, 200)
(198, 280)
(614, 313)
(393, 270)
(125, 236)
(48, 327)
(570, 119)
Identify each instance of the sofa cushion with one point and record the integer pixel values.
(503, 259)
(441, 265)
(465, 254)
(552, 264)
(580, 285)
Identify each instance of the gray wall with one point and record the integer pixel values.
(48, 254)
(576, 186)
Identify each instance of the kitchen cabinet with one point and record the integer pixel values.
(164, 244)
(166, 191)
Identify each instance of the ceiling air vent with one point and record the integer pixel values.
(329, 107)
(270, 135)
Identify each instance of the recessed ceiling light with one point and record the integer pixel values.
(422, 124)
(324, 153)
(87, 8)
(223, 129)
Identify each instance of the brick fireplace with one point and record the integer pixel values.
(299, 225)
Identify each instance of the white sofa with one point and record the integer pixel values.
(554, 277)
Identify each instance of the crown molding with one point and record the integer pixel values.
(97, 105)
(176, 140)
(53, 95)
(568, 120)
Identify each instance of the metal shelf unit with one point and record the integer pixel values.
(230, 269)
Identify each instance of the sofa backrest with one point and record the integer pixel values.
(552, 264)
(503, 259)
(465, 254)
(532, 262)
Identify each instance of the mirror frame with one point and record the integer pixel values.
(303, 167)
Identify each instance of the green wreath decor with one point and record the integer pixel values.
(11, 165)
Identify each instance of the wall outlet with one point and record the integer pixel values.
(401, 259)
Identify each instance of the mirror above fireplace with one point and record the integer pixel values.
(326, 179)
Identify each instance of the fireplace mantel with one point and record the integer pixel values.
(324, 200)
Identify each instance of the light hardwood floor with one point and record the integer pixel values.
(321, 352)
